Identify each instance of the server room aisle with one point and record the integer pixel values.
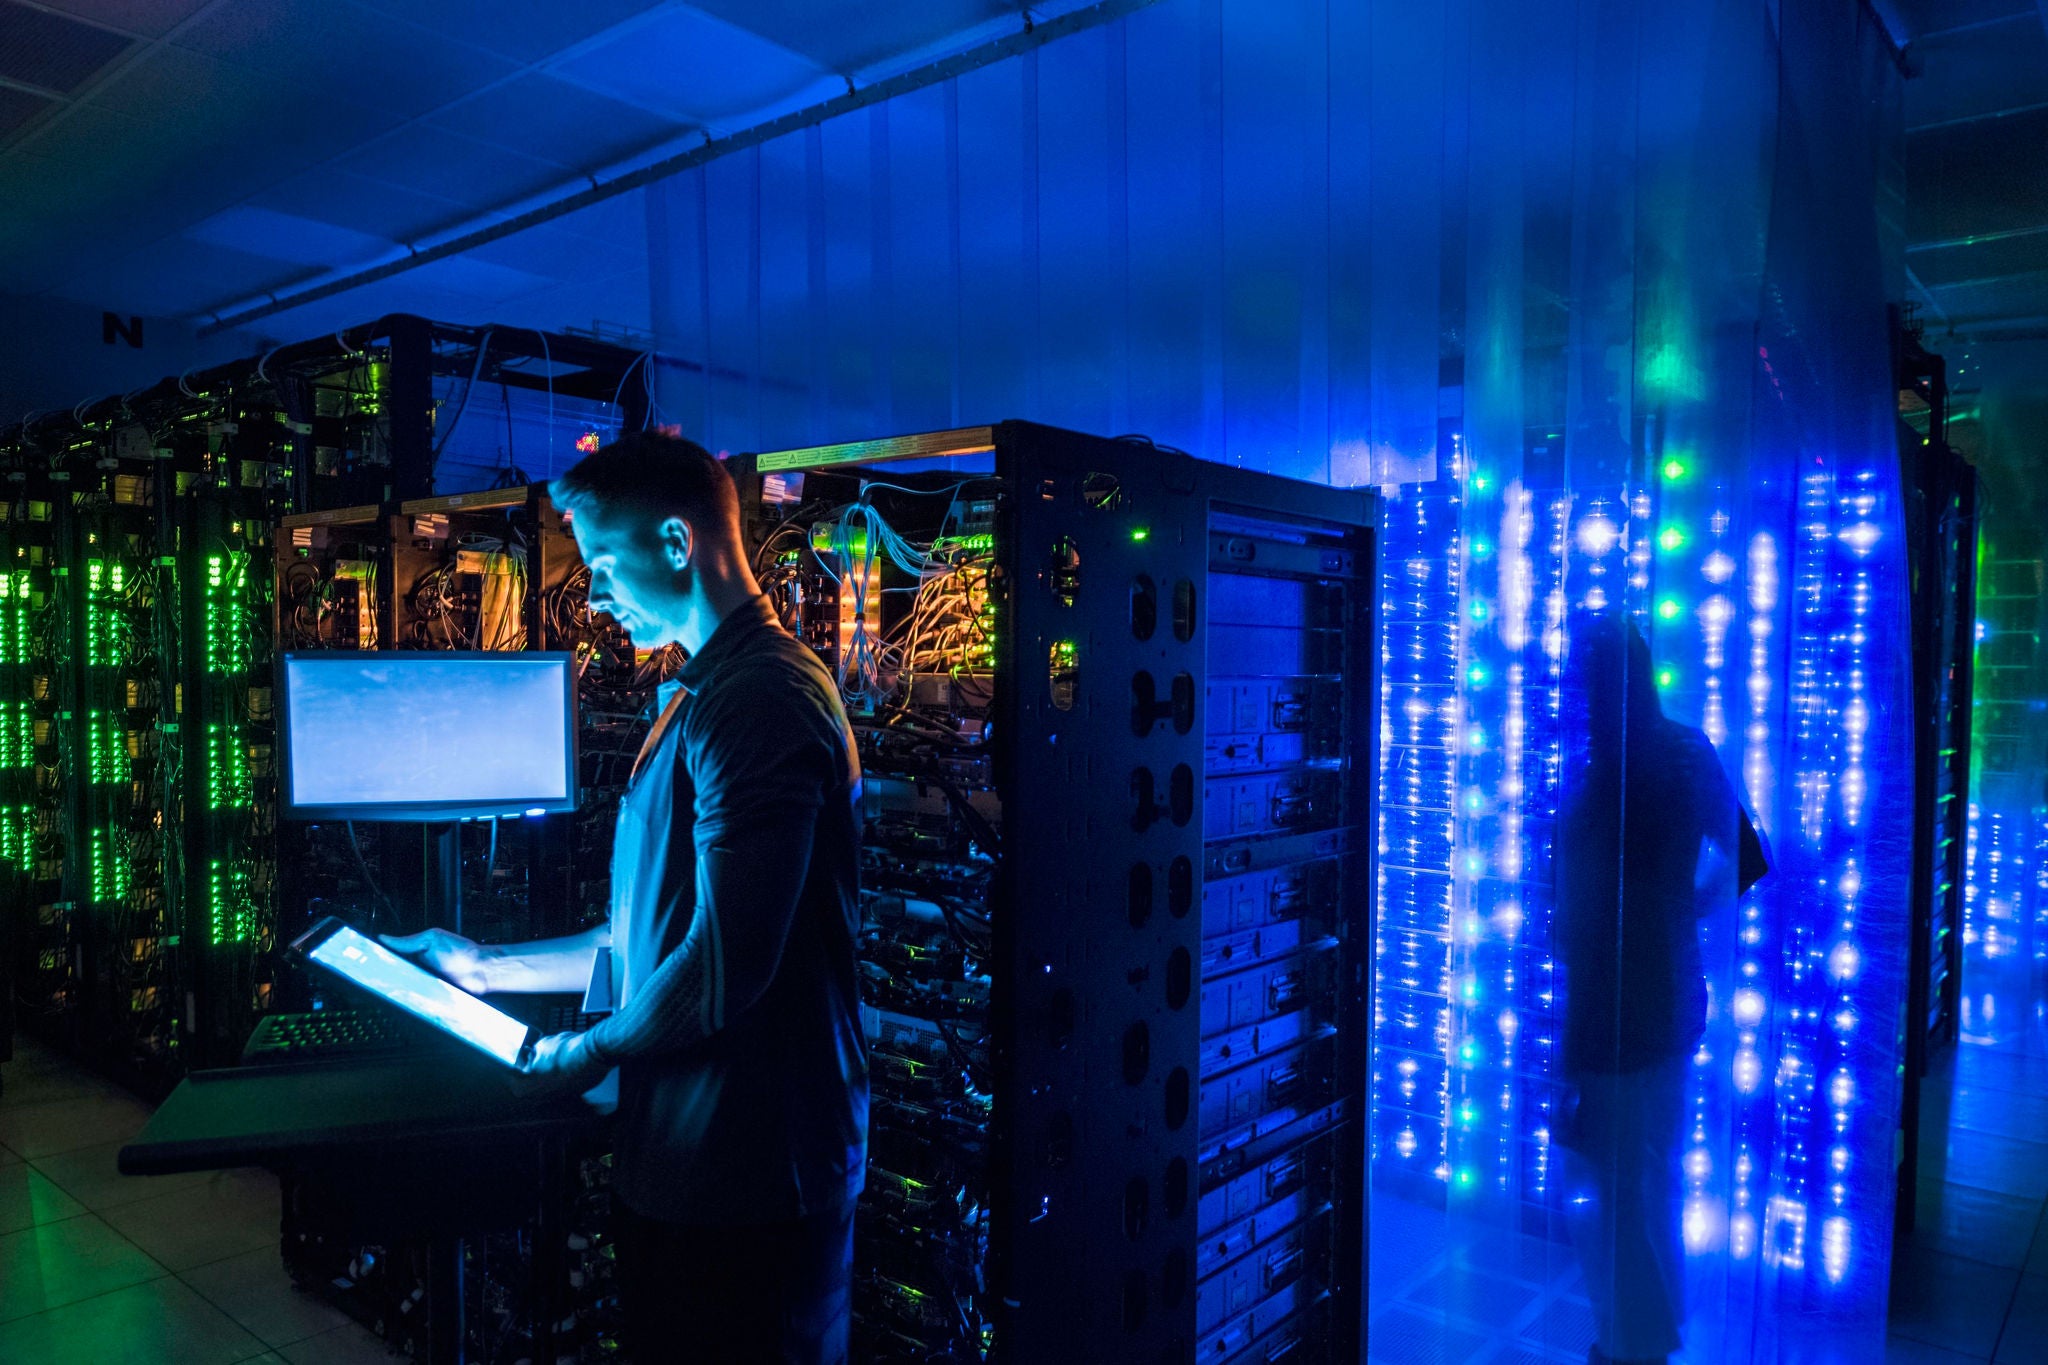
(1972, 1283)
(96, 1266)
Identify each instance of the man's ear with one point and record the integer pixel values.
(677, 542)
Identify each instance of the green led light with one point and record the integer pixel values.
(1669, 609)
(1675, 469)
(1476, 675)
(227, 775)
(1666, 677)
(1481, 547)
(109, 870)
(1141, 533)
(106, 748)
(1477, 611)
(15, 846)
(1671, 538)
(225, 636)
(1465, 1176)
(231, 916)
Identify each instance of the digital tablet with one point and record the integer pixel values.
(360, 960)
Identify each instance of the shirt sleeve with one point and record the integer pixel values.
(762, 765)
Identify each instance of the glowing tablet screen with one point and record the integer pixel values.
(419, 992)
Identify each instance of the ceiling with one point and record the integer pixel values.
(183, 157)
(1977, 165)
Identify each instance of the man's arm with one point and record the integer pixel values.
(762, 772)
(542, 965)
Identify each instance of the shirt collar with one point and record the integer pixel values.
(731, 635)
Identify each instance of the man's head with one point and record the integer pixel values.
(657, 522)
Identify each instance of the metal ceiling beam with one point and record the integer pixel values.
(1977, 239)
(988, 54)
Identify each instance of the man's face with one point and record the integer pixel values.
(639, 571)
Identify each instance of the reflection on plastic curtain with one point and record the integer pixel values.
(1597, 292)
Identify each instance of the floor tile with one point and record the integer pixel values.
(1981, 1225)
(35, 1130)
(45, 1078)
(1946, 1301)
(1988, 1162)
(90, 1175)
(2002, 1069)
(59, 1263)
(162, 1322)
(1906, 1351)
(28, 1199)
(255, 1291)
(230, 1212)
(2025, 1341)
(349, 1345)
(2007, 1113)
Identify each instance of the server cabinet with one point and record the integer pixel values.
(1116, 714)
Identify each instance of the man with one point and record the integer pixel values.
(1651, 841)
(742, 1120)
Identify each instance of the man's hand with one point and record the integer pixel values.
(452, 956)
(561, 1062)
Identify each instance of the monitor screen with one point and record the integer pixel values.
(375, 968)
(428, 736)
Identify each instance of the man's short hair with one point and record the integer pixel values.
(655, 475)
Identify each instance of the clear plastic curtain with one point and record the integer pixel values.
(1596, 291)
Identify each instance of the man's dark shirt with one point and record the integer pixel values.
(743, 1091)
(1628, 850)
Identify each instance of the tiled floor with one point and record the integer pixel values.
(96, 1266)
(183, 1270)
(1972, 1284)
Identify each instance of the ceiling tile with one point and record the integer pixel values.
(146, 18)
(180, 278)
(1979, 71)
(18, 107)
(462, 169)
(2020, 296)
(857, 33)
(1922, 17)
(692, 67)
(1964, 178)
(290, 237)
(51, 51)
(334, 196)
(524, 30)
(1981, 260)
(552, 119)
(336, 51)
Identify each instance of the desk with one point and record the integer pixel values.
(422, 1121)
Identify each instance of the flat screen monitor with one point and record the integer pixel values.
(427, 735)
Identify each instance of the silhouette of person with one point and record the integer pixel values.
(1650, 840)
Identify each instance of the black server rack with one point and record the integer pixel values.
(1116, 718)
(1943, 490)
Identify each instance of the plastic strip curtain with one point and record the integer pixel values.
(1596, 290)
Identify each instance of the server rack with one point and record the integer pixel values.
(1118, 769)
(1942, 544)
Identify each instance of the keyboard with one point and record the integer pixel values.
(326, 1035)
(569, 1019)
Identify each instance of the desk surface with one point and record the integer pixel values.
(273, 1115)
